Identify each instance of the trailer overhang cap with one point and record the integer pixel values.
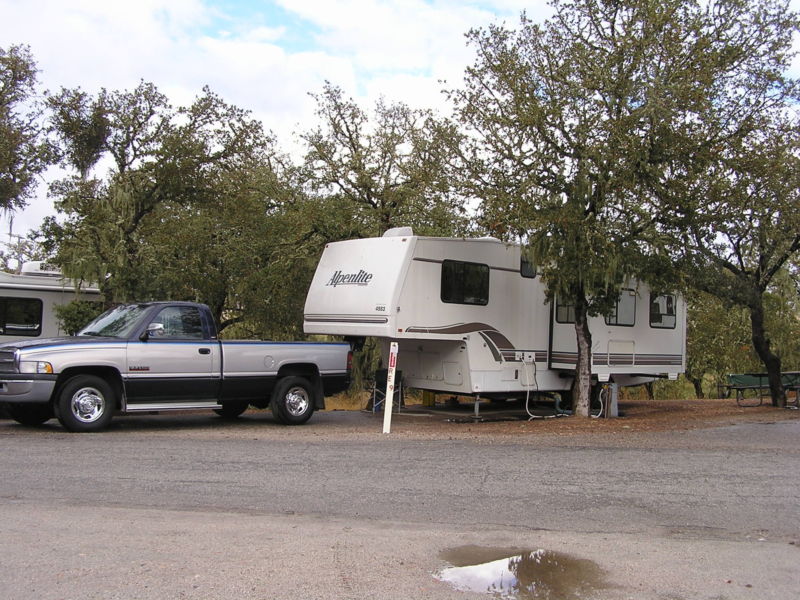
(398, 232)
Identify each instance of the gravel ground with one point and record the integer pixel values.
(145, 510)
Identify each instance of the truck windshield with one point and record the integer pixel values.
(118, 322)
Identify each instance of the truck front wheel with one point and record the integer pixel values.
(293, 400)
(86, 403)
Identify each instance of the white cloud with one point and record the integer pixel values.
(265, 56)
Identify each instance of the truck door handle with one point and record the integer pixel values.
(204, 350)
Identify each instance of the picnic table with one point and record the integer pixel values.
(759, 382)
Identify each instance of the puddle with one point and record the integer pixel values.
(521, 575)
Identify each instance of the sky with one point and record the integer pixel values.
(265, 56)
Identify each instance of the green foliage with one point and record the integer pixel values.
(386, 170)
(185, 183)
(24, 151)
(720, 335)
(20, 251)
(72, 317)
(718, 338)
(591, 129)
(740, 229)
(83, 127)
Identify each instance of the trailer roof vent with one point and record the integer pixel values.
(40, 268)
(398, 232)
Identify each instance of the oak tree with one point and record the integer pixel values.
(581, 126)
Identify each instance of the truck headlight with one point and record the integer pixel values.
(30, 366)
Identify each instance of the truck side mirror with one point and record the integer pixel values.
(153, 330)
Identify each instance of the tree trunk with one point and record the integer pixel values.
(582, 390)
(698, 387)
(761, 343)
(697, 382)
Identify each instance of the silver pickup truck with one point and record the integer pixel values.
(159, 356)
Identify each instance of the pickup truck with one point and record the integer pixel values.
(161, 356)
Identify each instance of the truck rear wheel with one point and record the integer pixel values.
(30, 414)
(293, 400)
(86, 403)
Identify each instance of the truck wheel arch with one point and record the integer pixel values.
(111, 375)
(307, 371)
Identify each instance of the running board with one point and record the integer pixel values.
(162, 406)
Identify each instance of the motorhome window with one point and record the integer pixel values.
(526, 268)
(21, 316)
(662, 311)
(465, 283)
(624, 312)
(565, 313)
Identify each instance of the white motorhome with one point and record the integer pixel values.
(27, 301)
(470, 317)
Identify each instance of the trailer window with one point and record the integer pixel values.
(21, 316)
(465, 283)
(526, 268)
(624, 313)
(565, 313)
(662, 311)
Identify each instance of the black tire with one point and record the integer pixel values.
(30, 414)
(231, 410)
(293, 400)
(86, 403)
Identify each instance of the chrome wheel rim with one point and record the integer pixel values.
(87, 404)
(297, 401)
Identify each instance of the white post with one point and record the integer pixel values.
(387, 404)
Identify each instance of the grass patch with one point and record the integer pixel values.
(348, 400)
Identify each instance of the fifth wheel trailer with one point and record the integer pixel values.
(471, 317)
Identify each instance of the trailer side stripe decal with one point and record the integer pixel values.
(345, 319)
(619, 360)
(500, 346)
(456, 328)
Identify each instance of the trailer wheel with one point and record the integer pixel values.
(231, 410)
(86, 403)
(30, 414)
(293, 400)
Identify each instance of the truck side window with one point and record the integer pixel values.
(465, 283)
(20, 316)
(180, 323)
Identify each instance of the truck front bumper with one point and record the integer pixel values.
(27, 388)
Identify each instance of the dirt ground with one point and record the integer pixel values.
(502, 419)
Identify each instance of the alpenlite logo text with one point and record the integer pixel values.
(360, 278)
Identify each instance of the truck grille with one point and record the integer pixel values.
(7, 364)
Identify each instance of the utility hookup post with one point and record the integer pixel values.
(387, 404)
(612, 403)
